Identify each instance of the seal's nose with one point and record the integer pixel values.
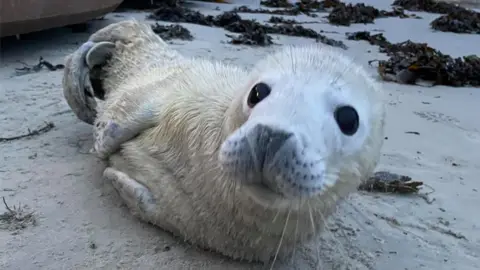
(268, 142)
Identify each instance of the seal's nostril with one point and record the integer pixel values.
(277, 140)
(269, 140)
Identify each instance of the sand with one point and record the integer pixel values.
(81, 223)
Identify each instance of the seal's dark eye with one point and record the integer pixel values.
(347, 119)
(257, 94)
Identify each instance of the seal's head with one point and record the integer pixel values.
(309, 121)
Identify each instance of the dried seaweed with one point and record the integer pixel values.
(458, 21)
(377, 39)
(145, 4)
(307, 7)
(31, 133)
(276, 19)
(276, 3)
(432, 6)
(286, 11)
(16, 217)
(303, 5)
(388, 182)
(346, 14)
(177, 13)
(410, 62)
(252, 32)
(173, 31)
(27, 69)
(342, 14)
(255, 38)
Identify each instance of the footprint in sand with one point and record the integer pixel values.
(436, 117)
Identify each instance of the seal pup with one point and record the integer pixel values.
(248, 163)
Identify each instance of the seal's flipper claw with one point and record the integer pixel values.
(77, 88)
(96, 58)
(99, 53)
(137, 197)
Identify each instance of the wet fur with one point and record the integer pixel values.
(184, 110)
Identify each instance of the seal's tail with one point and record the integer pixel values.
(110, 56)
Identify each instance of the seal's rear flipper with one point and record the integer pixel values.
(81, 78)
(109, 57)
(99, 54)
(96, 58)
(139, 198)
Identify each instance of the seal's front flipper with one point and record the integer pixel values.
(137, 197)
(115, 127)
(81, 78)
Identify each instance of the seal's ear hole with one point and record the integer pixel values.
(347, 119)
(258, 92)
(99, 53)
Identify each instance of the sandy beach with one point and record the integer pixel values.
(79, 222)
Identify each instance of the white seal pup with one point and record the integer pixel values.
(246, 163)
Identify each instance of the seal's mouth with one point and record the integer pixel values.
(274, 188)
(264, 195)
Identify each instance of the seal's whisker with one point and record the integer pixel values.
(276, 215)
(340, 246)
(295, 232)
(232, 191)
(281, 238)
(314, 234)
(234, 196)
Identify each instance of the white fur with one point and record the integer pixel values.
(186, 111)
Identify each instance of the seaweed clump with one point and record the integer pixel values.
(384, 181)
(431, 6)
(276, 3)
(177, 13)
(173, 31)
(277, 19)
(246, 26)
(145, 4)
(458, 21)
(256, 37)
(377, 39)
(286, 11)
(17, 217)
(305, 5)
(341, 13)
(410, 62)
(251, 31)
(346, 14)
